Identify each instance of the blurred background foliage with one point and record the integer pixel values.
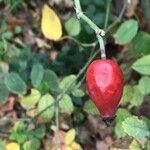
(35, 72)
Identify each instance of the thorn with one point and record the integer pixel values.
(101, 32)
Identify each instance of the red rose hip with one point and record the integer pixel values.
(105, 82)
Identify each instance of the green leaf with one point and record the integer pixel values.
(73, 26)
(122, 114)
(33, 144)
(70, 137)
(2, 74)
(99, 3)
(138, 97)
(20, 126)
(13, 53)
(51, 80)
(37, 73)
(19, 132)
(44, 102)
(15, 84)
(31, 100)
(78, 93)
(79, 117)
(66, 104)
(77, 101)
(2, 145)
(148, 145)
(7, 35)
(87, 2)
(126, 32)
(3, 93)
(90, 108)
(127, 94)
(135, 145)
(43, 88)
(142, 65)
(136, 127)
(38, 132)
(18, 29)
(91, 9)
(144, 85)
(140, 44)
(68, 83)
(19, 137)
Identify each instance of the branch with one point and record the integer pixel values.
(119, 17)
(62, 94)
(86, 65)
(57, 124)
(99, 32)
(107, 13)
(80, 15)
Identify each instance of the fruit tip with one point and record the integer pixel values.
(108, 120)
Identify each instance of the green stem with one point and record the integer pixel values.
(78, 7)
(81, 81)
(83, 69)
(107, 13)
(108, 29)
(101, 43)
(97, 30)
(57, 124)
(62, 94)
(91, 24)
(119, 17)
(78, 42)
(81, 15)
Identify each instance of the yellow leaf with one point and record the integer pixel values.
(32, 112)
(70, 136)
(68, 148)
(75, 146)
(31, 100)
(50, 25)
(12, 146)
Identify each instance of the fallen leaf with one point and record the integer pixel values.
(19, 41)
(8, 106)
(65, 3)
(7, 122)
(70, 136)
(32, 112)
(62, 135)
(50, 25)
(12, 146)
(100, 145)
(121, 144)
(47, 144)
(68, 148)
(29, 36)
(41, 43)
(4, 67)
(131, 7)
(108, 140)
(76, 146)
(53, 54)
(113, 148)
(64, 125)
(13, 21)
(28, 102)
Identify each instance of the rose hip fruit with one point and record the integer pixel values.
(105, 82)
